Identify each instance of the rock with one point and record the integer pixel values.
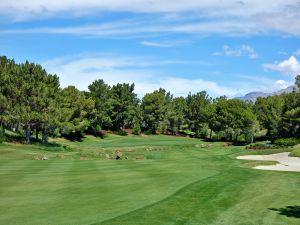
(44, 158)
(119, 153)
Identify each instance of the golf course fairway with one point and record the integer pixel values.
(163, 180)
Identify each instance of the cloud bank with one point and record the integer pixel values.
(231, 17)
(82, 70)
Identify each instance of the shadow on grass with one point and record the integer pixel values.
(51, 144)
(98, 134)
(289, 211)
(74, 137)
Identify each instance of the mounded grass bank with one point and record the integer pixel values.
(296, 151)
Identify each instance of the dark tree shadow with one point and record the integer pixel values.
(75, 136)
(99, 134)
(289, 211)
(51, 144)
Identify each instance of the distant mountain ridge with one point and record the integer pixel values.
(252, 96)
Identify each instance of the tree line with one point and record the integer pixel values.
(32, 102)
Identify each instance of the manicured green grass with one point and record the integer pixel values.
(180, 181)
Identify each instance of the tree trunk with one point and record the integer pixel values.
(27, 134)
(44, 136)
(36, 134)
(210, 134)
(17, 128)
(236, 138)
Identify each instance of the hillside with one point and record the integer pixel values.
(252, 96)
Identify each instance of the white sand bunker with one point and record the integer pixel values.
(286, 163)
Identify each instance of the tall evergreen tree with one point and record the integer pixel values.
(176, 114)
(269, 113)
(101, 94)
(74, 108)
(154, 109)
(235, 117)
(196, 110)
(124, 103)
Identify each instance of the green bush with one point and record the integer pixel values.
(287, 142)
(259, 146)
(202, 132)
(162, 128)
(188, 132)
(67, 148)
(147, 132)
(137, 130)
(122, 133)
(2, 135)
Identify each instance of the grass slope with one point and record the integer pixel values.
(296, 151)
(179, 182)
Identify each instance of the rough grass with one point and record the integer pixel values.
(296, 151)
(180, 181)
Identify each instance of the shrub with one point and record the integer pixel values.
(147, 132)
(67, 148)
(287, 142)
(188, 132)
(162, 128)
(259, 146)
(2, 135)
(137, 130)
(202, 132)
(122, 133)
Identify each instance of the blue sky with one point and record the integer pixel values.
(224, 47)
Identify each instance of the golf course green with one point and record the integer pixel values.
(160, 180)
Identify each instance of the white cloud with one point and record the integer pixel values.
(156, 44)
(238, 51)
(230, 17)
(249, 51)
(82, 70)
(281, 84)
(137, 27)
(232, 7)
(284, 19)
(232, 52)
(289, 67)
